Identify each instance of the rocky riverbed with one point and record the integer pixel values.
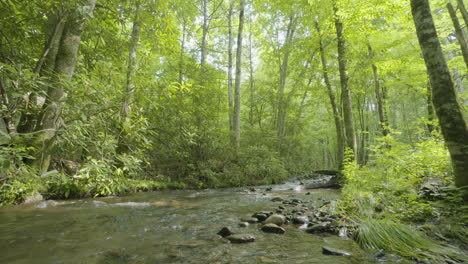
(181, 227)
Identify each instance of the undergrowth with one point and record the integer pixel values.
(406, 186)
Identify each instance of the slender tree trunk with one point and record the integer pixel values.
(237, 96)
(444, 98)
(125, 112)
(281, 114)
(64, 69)
(7, 118)
(459, 33)
(230, 66)
(251, 76)
(430, 110)
(463, 11)
(345, 91)
(340, 140)
(380, 96)
(182, 51)
(203, 44)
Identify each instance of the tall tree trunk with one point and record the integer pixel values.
(182, 51)
(125, 112)
(345, 91)
(203, 44)
(430, 110)
(463, 11)
(459, 33)
(230, 66)
(340, 140)
(281, 114)
(237, 96)
(6, 115)
(451, 119)
(64, 69)
(251, 76)
(44, 67)
(380, 95)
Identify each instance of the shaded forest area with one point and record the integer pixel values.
(108, 97)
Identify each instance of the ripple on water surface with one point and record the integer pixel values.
(160, 227)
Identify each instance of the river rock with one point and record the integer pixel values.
(272, 228)
(318, 228)
(241, 238)
(276, 219)
(299, 220)
(243, 224)
(225, 231)
(252, 220)
(269, 189)
(334, 252)
(277, 199)
(262, 216)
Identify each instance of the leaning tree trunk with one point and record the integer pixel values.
(64, 69)
(459, 33)
(340, 140)
(345, 91)
(463, 11)
(451, 119)
(380, 96)
(122, 145)
(237, 101)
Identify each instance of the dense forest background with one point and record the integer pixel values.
(109, 96)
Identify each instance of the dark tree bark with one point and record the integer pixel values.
(237, 101)
(463, 11)
(64, 69)
(340, 140)
(444, 98)
(345, 91)
(459, 33)
(380, 95)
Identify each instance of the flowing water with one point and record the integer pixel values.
(162, 227)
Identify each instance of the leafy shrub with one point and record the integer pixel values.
(393, 177)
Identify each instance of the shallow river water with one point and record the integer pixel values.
(163, 227)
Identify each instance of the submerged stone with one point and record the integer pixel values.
(272, 228)
(334, 252)
(241, 238)
(225, 231)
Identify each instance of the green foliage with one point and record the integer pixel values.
(403, 240)
(17, 181)
(393, 178)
